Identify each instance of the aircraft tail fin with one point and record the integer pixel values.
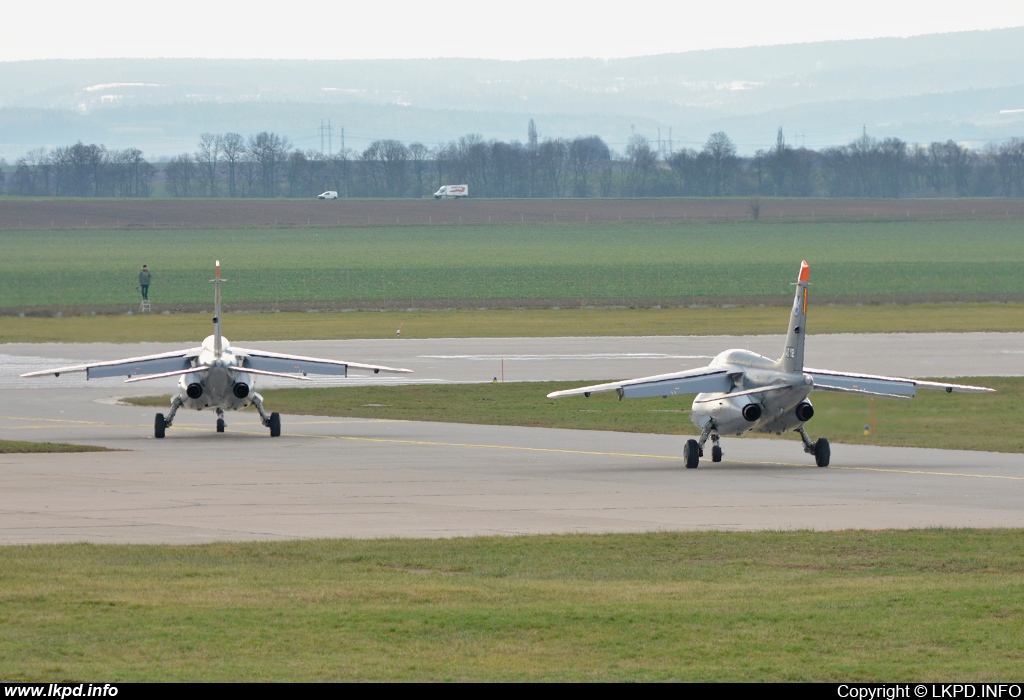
(217, 339)
(793, 354)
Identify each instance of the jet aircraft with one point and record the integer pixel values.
(741, 391)
(216, 375)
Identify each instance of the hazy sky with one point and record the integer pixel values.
(495, 29)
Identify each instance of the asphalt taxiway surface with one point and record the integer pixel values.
(336, 477)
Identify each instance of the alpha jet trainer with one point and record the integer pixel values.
(216, 375)
(741, 391)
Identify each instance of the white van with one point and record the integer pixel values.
(452, 192)
(329, 194)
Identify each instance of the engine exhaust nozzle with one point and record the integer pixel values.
(751, 412)
(804, 411)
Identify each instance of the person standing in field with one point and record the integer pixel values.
(144, 278)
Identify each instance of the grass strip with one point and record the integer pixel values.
(23, 447)
(988, 422)
(921, 318)
(915, 605)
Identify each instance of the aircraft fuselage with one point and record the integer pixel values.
(736, 412)
(218, 386)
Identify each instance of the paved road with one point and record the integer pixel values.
(332, 477)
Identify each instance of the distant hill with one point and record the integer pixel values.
(966, 86)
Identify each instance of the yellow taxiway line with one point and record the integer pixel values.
(517, 448)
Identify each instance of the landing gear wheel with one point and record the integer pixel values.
(822, 452)
(716, 454)
(159, 426)
(275, 424)
(691, 454)
(220, 425)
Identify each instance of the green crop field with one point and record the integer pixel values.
(627, 263)
(704, 606)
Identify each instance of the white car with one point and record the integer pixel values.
(329, 194)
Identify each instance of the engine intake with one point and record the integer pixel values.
(194, 390)
(804, 411)
(241, 390)
(751, 412)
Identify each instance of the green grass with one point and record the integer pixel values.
(23, 447)
(191, 328)
(627, 263)
(988, 422)
(782, 607)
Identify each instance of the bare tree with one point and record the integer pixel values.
(643, 159)
(1009, 159)
(586, 155)
(553, 162)
(130, 173)
(394, 157)
(470, 162)
(232, 147)
(339, 171)
(206, 160)
(722, 156)
(181, 175)
(32, 174)
(531, 150)
(510, 170)
(418, 154)
(268, 152)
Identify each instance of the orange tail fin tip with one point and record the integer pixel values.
(805, 271)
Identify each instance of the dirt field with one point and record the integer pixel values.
(18, 213)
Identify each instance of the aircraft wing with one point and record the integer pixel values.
(203, 368)
(875, 385)
(694, 381)
(147, 364)
(297, 364)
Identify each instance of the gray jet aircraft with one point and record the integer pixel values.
(741, 391)
(216, 375)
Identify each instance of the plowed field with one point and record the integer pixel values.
(29, 213)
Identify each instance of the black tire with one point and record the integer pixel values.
(822, 452)
(159, 426)
(716, 454)
(220, 425)
(691, 454)
(275, 425)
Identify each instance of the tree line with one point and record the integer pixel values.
(266, 165)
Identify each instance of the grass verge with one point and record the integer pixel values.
(796, 606)
(23, 447)
(933, 419)
(921, 318)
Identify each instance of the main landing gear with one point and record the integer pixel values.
(819, 448)
(694, 449)
(162, 422)
(269, 420)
